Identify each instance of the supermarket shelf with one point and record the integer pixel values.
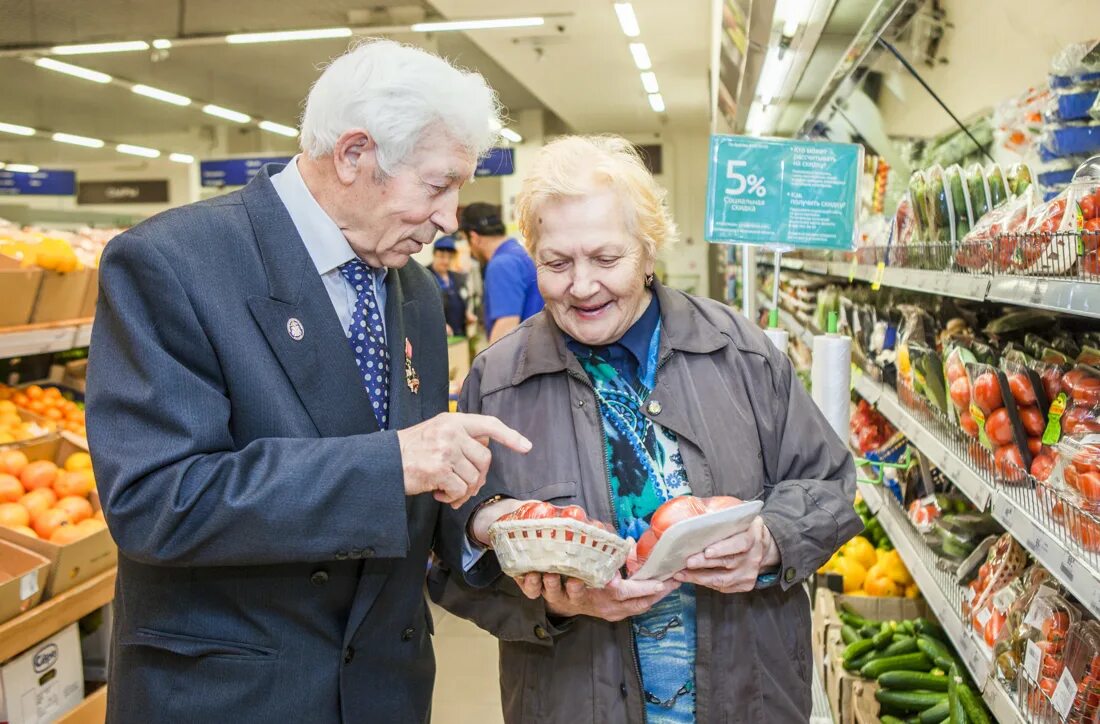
(44, 338)
(1013, 507)
(788, 320)
(1062, 295)
(48, 618)
(943, 596)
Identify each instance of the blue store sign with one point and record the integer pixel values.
(234, 171)
(498, 162)
(783, 193)
(44, 182)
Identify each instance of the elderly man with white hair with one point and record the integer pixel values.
(266, 407)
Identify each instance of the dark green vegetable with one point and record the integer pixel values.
(957, 715)
(935, 714)
(868, 632)
(940, 655)
(998, 191)
(928, 628)
(907, 645)
(972, 705)
(848, 634)
(907, 627)
(910, 700)
(882, 639)
(913, 680)
(888, 719)
(857, 648)
(905, 662)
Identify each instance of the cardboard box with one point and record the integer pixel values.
(458, 360)
(18, 291)
(80, 560)
(91, 294)
(93, 710)
(43, 683)
(42, 442)
(864, 704)
(23, 575)
(61, 296)
(76, 375)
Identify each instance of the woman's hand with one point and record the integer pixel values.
(617, 600)
(732, 565)
(486, 515)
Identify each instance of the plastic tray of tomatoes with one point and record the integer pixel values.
(1009, 647)
(1081, 386)
(1081, 675)
(1005, 411)
(1046, 631)
(544, 538)
(1079, 465)
(1004, 564)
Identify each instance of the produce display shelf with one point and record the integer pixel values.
(944, 597)
(44, 338)
(788, 321)
(1056, 294)
(46, 619)
(1015, 508)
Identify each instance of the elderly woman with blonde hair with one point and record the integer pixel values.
(632, 394)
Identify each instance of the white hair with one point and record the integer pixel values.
(396, 92)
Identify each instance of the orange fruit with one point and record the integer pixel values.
(98, 515)
(54, 414)
(67, 534)
(20, 399)
(34, 392)
(38, 501)
(52, 393)
(12, 462)
(11, 490)
(78, 508)
(25, 530)
(13, 514)
(91, 526)
(78, 461)
(78, 482)
(39, 474)
(46, 524)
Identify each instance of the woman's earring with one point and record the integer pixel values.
(648, 281)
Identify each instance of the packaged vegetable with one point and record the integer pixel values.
(1081, 387)
(1019, 178)
(1082, 664)
(1005, 563)
(1044, 250)
(993, 237)
(1010, 647)
(918, 195)
(939, 210)
(998, 189)
(978, 189)
(961, 208)
(1045, 631)
(927, 376)
(1078, 469)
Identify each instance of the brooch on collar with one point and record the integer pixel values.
(411, 378)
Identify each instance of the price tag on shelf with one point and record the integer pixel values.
(880, 272)
(1064, 693)
(28, 585)
(984, 615)
(971, 594)
(1033, 657)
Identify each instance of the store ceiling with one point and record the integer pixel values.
(577, 67)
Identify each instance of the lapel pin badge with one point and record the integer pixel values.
(411, 378)
(295, 329)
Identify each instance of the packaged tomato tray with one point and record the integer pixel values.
(1045, 631)
(1032, 406)
(1004, 564)
(1044, 249)
(1081, 390)
(1010, 646)
(994, 237)
(1079, 469)
(1077, 696)
(1001, 426)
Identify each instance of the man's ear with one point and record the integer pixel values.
(355, 153)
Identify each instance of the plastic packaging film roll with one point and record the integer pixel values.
(831, 378)
(779, 337)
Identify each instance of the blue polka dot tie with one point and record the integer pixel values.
(367, 337)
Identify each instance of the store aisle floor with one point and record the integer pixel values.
(466, 689)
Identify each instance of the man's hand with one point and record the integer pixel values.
(732, 565)
(617, 600)
(486, 515)
(449, 456)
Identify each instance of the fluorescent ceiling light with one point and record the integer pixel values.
(769, 84)
(225, 113)
(656, 102)
(137, 150)
(283, 35)
(89, 48)
(161, 95)
(279, 128)
(511, 135)
(20, 167)
(628, 21)
(77, 140)
(162, 44)
(491, 24)
(181, 157)
(649, 82)
(17, 130)
(641, 56)
(73, 70)
(494, 124)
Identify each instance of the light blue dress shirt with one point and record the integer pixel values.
(325, 243)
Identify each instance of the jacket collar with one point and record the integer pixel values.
(683, 329)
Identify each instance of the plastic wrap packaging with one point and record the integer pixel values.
(998, 187)
(1078, 471)
(1045, 631)
(1005, 563)
(939, 209)
(1010, 647)
(831, 374)
(992, 241)
(1081, 387)
(961, 207)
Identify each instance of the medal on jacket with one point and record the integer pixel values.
(411, 378)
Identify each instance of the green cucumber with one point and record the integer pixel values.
(856, 622)
(860, 661)
(935, 714)
(882, 639)
(941, 656)
(957, 715)
(848, 634)
(907, 645)
(908, 680)
(857, 649)
(905, 662)
(847, 612)
(910, 700)
(887, 719)
(869, 631)
(907, 627)
(926, 627)
(972, 705)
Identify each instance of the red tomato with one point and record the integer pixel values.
(1033, 420)
(998, 427)
(987, 393)
(1089, 485)
(645, 547)
(675, 510)
(1055, 623)
(1070, 474)
(1021, 389)
(536, 510)
(1058, 512)
(1086, 460)
(993, 627)
(1034, 446)
(960, 392)
(1052, 382)
(1042, 466)
(1079, 420)
(1071, 378)
(983, 575)
(1087, 391)
(1007, 461)
(575, 512)
(966, 422)
(1088, 207)
(956, 370)
(1090, 262)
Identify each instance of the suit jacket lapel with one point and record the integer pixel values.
(402, 323)
(314, 353)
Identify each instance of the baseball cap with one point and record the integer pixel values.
(482, 218)
(444, 243)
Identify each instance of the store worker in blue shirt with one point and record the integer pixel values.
(511, 289)
(452, 286)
